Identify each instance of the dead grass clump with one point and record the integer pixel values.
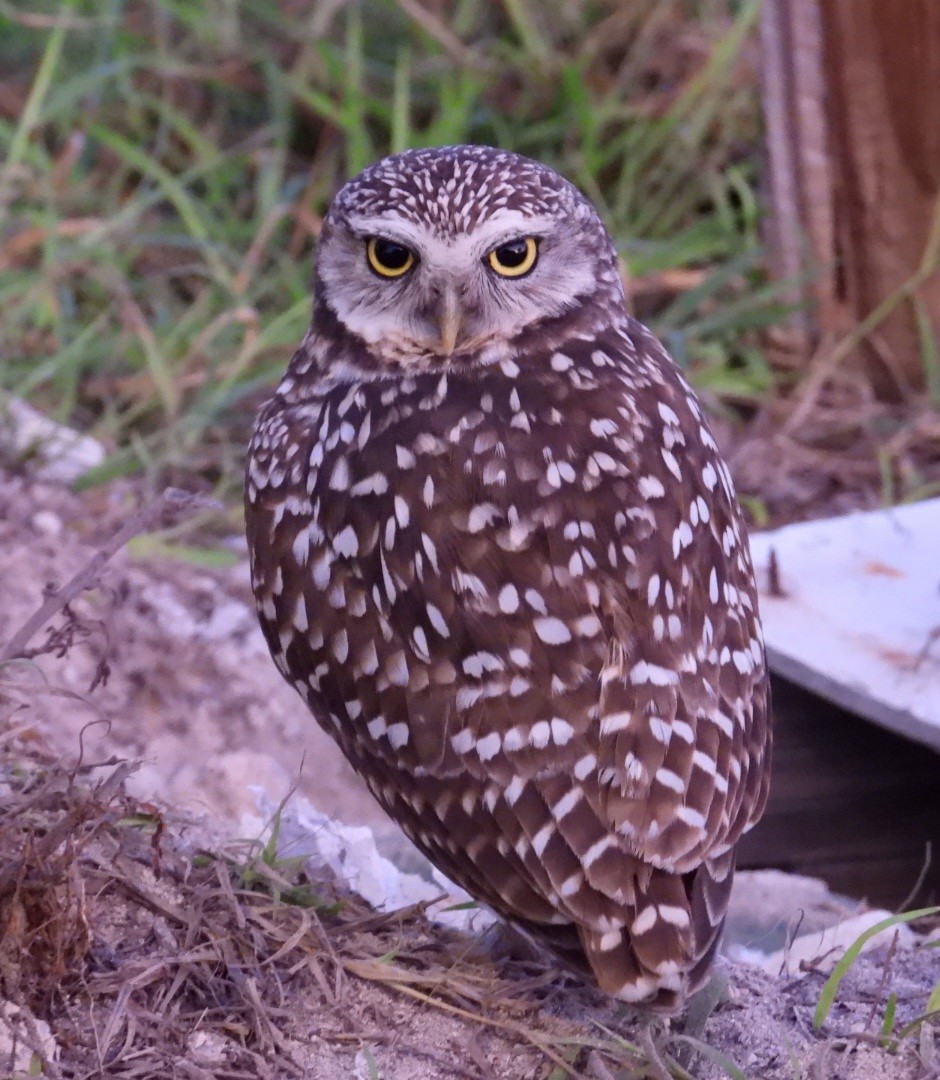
(45, 824)
(148, 956)
(137, 953)
(834, 450)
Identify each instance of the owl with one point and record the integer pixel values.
(495, 549)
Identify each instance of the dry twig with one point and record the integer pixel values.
(163, 510)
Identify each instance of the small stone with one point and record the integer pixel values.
(48, 523)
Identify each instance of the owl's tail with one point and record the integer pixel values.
(664, 953)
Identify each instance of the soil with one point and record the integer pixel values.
(142, 940)
(191, 689)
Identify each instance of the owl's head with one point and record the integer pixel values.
(450, 254)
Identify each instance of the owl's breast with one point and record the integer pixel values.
(434, 560)
(431, 548)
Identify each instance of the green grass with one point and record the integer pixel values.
(830, 990)
(165, 165)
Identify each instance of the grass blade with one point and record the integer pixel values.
(37, 94)
(173, 191)
(712, 1055)
(831, 987)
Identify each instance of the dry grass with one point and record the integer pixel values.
(151, 954)
(142, 950)
(834, 449)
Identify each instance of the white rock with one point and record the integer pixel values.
(23, 1039)
(769, 907)
(48, 523)
(350, 854)
(208, 1047)
(825, 948)
(63, 454)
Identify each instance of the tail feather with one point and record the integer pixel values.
(664, 951)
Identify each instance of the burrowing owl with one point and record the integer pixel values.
(496, 551)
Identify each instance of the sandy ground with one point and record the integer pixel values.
(192, 692)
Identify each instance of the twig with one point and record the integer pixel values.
(34, 1041)
(439, 31)
(885, 975)
(932, 637)
(774, 587)
(67, 827)
(172, 503)
(908, 901)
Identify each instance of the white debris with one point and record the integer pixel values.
(25, 1042)
(208, 1047)
(823, 949)
(62, 455)
(227, 618)
(48, 523)
(768, 908)
(349, 853)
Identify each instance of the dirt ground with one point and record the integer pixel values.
(192, 691)
(139, 938)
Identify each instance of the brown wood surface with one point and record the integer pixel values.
(852, 106)
(849, 802)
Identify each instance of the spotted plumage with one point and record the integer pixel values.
(496, 551)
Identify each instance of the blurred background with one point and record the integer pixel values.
(167, 164)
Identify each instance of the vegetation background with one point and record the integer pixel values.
(165, 166)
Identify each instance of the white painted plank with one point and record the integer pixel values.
(862, 604)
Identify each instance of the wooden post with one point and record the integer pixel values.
(852, 101)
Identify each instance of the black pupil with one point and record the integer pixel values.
(512, 254)
(391, 255)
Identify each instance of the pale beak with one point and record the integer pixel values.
(450, 318)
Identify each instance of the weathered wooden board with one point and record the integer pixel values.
(853, 171)
(857, 615)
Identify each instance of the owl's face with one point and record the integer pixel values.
(450, 254)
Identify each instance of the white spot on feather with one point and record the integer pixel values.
(508, 599)
(584, 766)
(346, 542)
(398, 735)
(339, 480)
(539, 734)
(644, 672)
(670, 780)
(488, 746)
(542, 837)
(463, 741)
(562, 731)
(402, 513)
(671, 464)
(552, 630)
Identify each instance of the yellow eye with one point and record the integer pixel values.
(515, 258)
(387, 258)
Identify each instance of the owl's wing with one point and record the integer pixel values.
(569, 602)
(682, 711)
